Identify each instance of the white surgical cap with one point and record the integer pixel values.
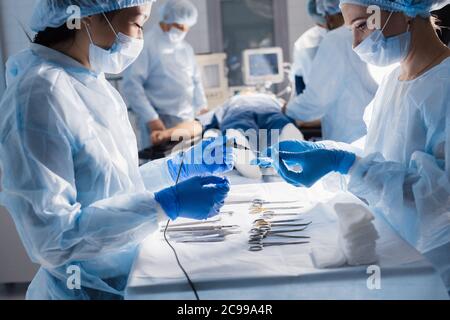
(54, 13)
(179, 11)
(411, 8)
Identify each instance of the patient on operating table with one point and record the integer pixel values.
(256, 121)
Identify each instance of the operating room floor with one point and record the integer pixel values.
(13, 291)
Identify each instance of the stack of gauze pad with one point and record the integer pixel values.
(357, 239)
(357, 234)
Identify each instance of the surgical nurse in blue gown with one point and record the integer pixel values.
(404, 171)
(69, 159)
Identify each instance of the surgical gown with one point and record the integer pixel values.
(70, 176)
(338, 90)
(163, 83)
(405, 174)
(305, 49)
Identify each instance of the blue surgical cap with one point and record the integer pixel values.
(312, 11)
(328, 7)
(54, 13)
(411, 8)
(179, 11)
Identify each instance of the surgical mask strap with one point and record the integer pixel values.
(385, 25)
(110, 25)
(88, 33)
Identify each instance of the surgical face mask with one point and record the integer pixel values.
(381, 51)
(122, 54)
(176, 35)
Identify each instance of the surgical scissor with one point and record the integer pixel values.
(259, 246)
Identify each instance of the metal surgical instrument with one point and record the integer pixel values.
(276, 221)
(258, 210)
(259, 202)
(187, 224)
(266, 224)
(259, 246)
(237, 146)
(260, 237)
(202, 228)
(268, 231)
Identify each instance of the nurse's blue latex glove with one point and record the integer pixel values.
(211, 156)
(198, 198)
(286, 146)
(314, 164)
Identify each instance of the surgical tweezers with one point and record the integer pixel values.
(197, 223)
(273, 214)
(268, 231)
(202, 228)
(259, 210)
(277, 221)
(260, 237)
(269, 225)
(261, 245)
(260, 202)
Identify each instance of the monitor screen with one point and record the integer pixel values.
(211, 75)
(264, 65)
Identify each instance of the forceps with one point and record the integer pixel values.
(260, 205)
(276, 221)
(257, 210)
(259, 245)
(198, 223)
(202, 228)
(260, 237)
(259, 202)
(261, 223)
(273, 214)
(266, 231)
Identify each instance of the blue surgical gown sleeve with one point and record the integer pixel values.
(44, 199)
(156, 175)
(414, 197)
(134, 87)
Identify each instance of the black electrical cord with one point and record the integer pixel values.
(191, 284)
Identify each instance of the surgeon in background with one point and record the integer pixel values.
(305, 48)
(339, 86)
(164, 86)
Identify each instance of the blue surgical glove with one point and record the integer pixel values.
(314, 164)
(211, 156)
(198, 198)
(286, 146)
